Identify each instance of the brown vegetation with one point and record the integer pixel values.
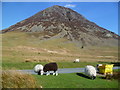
(15, 79)
(116, 75)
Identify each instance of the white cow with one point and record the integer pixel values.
(90, 71)
(76, 60)
(39, 69)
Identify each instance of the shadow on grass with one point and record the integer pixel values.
(101, 77)
(115, 63)
(82, 75)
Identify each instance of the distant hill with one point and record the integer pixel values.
(60, 22)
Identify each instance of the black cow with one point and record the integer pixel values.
(51, 67)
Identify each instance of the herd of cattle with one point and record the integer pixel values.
(46, 69)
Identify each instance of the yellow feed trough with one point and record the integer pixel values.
(106, 69)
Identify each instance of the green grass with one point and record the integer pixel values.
(116, 70)
(15, 63)
(30, 65)
(72, 80)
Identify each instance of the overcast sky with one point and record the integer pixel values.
(104, 14)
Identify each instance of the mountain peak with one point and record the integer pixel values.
(56, 6)
(62, 22)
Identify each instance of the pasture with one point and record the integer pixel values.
(30, 65)
(22, 47)
(13, 79)
(23, 51)
(74, 80)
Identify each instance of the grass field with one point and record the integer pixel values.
(24, 51)
(73, 80)
(13, 79)
(30, 65)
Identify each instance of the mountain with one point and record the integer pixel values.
(61, 22)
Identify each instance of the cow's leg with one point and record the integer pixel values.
(39, 73)
(56, 73)
(47, 73)
(42, 72)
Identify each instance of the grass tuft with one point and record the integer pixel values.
(15, 79)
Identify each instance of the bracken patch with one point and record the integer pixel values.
(15, 79)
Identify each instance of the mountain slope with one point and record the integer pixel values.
(61, 22)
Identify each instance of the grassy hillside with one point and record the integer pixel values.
(19, 48)
(25, 50)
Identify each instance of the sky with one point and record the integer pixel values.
(104, 14)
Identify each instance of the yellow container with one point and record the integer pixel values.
(106, 69)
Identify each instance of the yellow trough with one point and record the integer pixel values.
(106, 69)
